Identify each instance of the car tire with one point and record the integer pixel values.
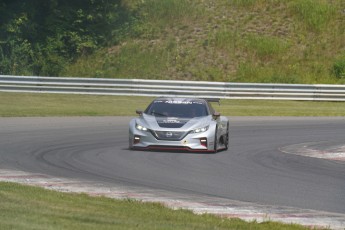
(226, 141)
(215, 141)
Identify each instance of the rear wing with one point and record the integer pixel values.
(212, 100)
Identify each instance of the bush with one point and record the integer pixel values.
(339, 67)
(16, 57)
(40, 37)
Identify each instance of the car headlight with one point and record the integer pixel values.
(200, 130)
(140, 127)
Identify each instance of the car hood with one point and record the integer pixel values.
(164, 123)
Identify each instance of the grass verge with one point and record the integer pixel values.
(26, 207)
(29, 104)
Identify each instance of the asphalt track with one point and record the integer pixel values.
(252, 170)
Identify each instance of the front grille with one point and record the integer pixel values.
(169, 135)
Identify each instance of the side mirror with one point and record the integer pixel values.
(139, 112)
(216, 115)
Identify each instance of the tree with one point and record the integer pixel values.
(41, 36)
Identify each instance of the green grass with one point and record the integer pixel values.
(169, 12)
(26, 104)
(292, 41)
(315, 14)
(265, 47)
(25, 207)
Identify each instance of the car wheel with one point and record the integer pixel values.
(215, 141)
(226, 140)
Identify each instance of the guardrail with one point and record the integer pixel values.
(155, 88)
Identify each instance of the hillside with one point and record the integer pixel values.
(292, 41)
(278, 41)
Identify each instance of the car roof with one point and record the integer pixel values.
(180, 99)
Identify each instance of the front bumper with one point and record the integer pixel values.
(192, 142)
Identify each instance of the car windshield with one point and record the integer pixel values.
(186, 109)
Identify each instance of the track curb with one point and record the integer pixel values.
(199, 204)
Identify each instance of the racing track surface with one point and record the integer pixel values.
(253, 169)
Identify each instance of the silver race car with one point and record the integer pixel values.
(187, 124)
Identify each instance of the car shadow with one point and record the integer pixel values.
(176, 151)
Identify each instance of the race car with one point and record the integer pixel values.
(186, 124)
